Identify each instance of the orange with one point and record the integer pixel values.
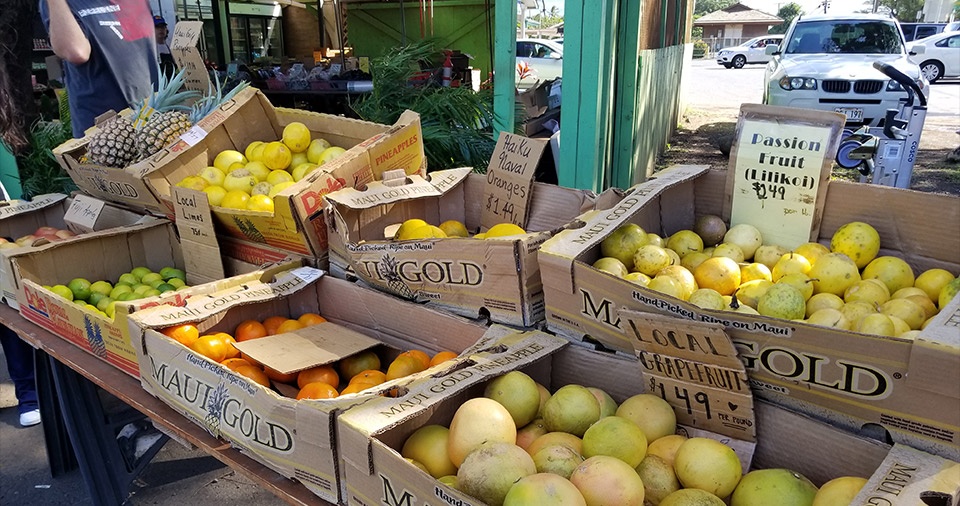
(357, 363)
(419, 355)
(404, 365)
(289, 326)
(250, 329)
(370, 377)
(184, 334)
(278, 376)
(323, 373)
(441, 357)
(255, 373)
(233, 363)
(317, 390)
(272, 323)
(308, 319)
(227, 338)
(212, 346)
(353, 388)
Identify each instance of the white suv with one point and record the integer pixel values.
(751, 51)
(826, 63)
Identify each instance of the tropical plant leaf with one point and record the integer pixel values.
(456, 122)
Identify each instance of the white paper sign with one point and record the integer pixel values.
(83, 213)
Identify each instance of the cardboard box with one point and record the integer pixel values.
(80, 214)
(295, 438)
(371, 435)
(499, 279)
(100, 255)
(858, 381)
(296, 223)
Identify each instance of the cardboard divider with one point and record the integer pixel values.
(851, 379)
(496, 278)
(295, 438)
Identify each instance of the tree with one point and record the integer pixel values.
(708, 6)
(786, 13)
(904, 10)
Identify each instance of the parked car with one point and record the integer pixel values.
(952, 27)
(916, 31)
(544, 58)
(751, 51)
(938, 56)
(826, 63)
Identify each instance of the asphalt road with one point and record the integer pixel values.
(712, 87)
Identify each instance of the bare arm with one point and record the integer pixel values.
(66, 37)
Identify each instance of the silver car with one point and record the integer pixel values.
(826, 63)
(751, 51)
(540, 60)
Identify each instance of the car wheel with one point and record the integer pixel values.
(932, 70)
(739, 61)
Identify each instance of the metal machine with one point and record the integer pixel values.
(886, 155)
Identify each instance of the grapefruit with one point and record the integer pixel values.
(572, 408)
(840, 490)
(543, 489)
(617, 437)
(659, 479)
(490, 471)
(607, 480)
(428, 445)
(518, 393)
(479, 420)
(691, 497)
(653, 415)
(557, 459)
(708, 465)
(782, 487)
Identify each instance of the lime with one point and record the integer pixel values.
(251, 148)
(177, 283)
(215, 194)
(299, 158)
(128, 279)
(103, 303)
(259, 170)
(139, 272)
(228, 157)
(260, 203)
(141, 289)
(279, 187)
(331, 153)
(120, 289)
(62, 291)
(165, 287)
(96, 297)
(171, 272)
(80, 288)
(150, 277)
(278, 176)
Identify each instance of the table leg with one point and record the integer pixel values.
(60, 455)
(108, 469)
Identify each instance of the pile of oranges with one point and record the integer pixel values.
(356, 372)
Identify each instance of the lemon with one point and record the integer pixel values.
(257, 152)
(279, 187)
(276, 156)
(193, 182)
(330, 153)
(235, 199)
(298, 158)
(426, 232)
(317, 146)
(407, 227)
(503, 230)
(260, 203)
(276, 177)
(251, 149)
(454, 228)
(228, 157)
(215, 194)
(213, 175)
(300, 171)
(259, 170)
(296, 136)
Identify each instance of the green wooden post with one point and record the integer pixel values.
(626, 115)
(504, 66)
(589, 51)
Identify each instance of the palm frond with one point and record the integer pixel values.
(456, 122)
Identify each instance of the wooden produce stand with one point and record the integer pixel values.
(74, 369)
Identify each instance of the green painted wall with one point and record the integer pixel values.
(373, 28)
(659, 84)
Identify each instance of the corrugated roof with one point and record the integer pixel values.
(737, 14)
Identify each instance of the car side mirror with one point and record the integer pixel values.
(917, 49)
(772, 49)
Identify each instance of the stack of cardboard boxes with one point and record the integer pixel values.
(566, 321)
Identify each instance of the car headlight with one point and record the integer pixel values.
(722, 53)
(798, 83)
(895, 86)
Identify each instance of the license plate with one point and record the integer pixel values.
(852, 114)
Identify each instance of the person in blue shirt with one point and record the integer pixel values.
(110, 51)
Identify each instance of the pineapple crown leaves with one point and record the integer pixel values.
(213, 99)
(168, 97)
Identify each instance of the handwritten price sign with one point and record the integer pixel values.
(510, 180)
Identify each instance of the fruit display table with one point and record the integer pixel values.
(70, 364)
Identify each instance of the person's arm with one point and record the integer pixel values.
(66, 36)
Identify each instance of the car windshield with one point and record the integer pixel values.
(852, 37)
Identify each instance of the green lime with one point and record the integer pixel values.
(141, 289)
(128, 279)
(95, 298)
(80, 288)
(103, 287)
(169, 273)
(176, 283)
(165, 287)
(62, 291)
(104, 302)
(120, 289)
(150, 277)
(140, 272)
(154, 283)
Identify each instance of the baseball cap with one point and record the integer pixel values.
(159, 21)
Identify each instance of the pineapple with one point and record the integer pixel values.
(114, 144)
(161, 129)
(388, 269)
